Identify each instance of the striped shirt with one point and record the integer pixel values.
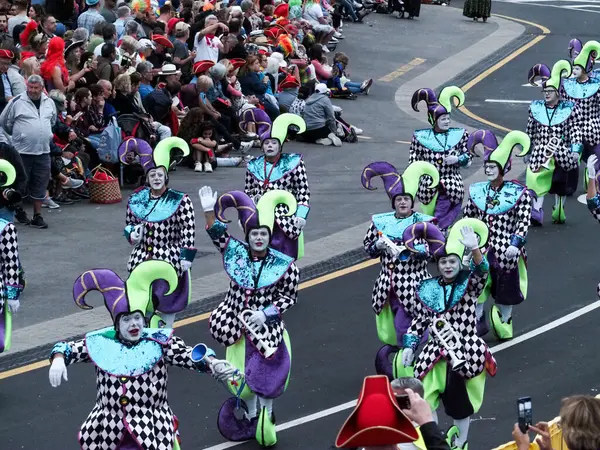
(89, 19)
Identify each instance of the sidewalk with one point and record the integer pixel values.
(340, 207)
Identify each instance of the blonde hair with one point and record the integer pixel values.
(227, 64)
(123, 83)
(580, 422)
(205, 82)
(31, 66)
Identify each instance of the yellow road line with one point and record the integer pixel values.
(402, 70)
(498, 65)
(204, 316)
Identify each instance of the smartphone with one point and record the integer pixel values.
(403, 401)
(525, 416)
(78, 115)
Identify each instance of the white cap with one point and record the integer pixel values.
(322, 88)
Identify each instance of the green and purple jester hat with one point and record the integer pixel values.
(500, 154)
(440, 246)
(437, 106)
(396, 184)
(281, 126)
(152, 159)
(261, 215)
(584, 56)
(125, 297)
(550, 79)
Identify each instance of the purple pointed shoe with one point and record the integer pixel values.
(383, 365)
(482, 326)
(537, 217)
(230, 427)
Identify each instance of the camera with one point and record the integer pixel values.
(11, 195)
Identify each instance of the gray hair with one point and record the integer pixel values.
(81, 34)
(414, 384)
(144, 66)
(210, 17)
(218, 71)
(123, 11)
(59, 99)
(35, 79)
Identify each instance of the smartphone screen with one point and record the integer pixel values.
(525, 415)
(403, 401)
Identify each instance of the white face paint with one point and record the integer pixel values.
(403, 205)
(258, 239)
(157, 179)
(443, 122)
(550, 96)
(492, 171)
(271, 147)
(449, 266)
(130, 326)
(577, 71)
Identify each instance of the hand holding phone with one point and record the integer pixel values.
(525, 414)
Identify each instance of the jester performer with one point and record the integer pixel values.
(12, 280)
(557, 143)
(505, 207)
(131, 410)
(575, 47)
(264, 285)
(160, 222)
(285, 171)
(446, 149)
(453, 363)
(584, 91)
(399, 276)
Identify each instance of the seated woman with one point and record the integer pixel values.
(216, 97)
(253, 82)
(288, 89)
(319, 61)
(89, 116)
(54, 70)
(340, 83)
(124, 102)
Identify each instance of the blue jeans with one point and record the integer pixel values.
(349, 7)
(353, 87)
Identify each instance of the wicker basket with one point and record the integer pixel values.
(105, 191)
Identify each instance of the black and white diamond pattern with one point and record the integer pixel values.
(503, 226)
(226, 328)
(9, 252)
(164, 240)
(590, 115)
(450, 177)
(463, 320)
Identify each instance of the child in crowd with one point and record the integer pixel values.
(340, 82)
(208, 154)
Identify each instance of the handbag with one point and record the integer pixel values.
(110, 139)
(104, 187)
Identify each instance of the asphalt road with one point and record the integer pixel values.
(334, 342)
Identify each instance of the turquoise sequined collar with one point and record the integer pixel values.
(575, 89)
(154, 210)
(433, 294)
(120, 360)
(439, 142)
(286, 164)
(557, 115)
(242, 269)
(392, 227)
(507, 198)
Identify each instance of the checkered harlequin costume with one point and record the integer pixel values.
(288, 173)
(131, 377)
(282, 292)
(587, 97)
(138, 403)
(170, 227)
(594, 207)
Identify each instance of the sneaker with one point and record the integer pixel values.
(63, 199)
(38, 222)
(357, 130)
(336, 140)
(72, 183)
(72, 196)
(338, 35)
(245, 147)
(49, 203)
(365, 87)
(82, 192)
(208, 167)
(333, 40)
(325, 49)
(198, 166)
(21, 216)
(324, 141)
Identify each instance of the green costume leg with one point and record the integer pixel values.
(266, 434)
(236, 355)
(6, 329)
(434, 384)
(558, 212)
(475, 389)
(502, 326)
(176, 445)
(540, 182)
(300, 246)
(399, 369)
(429, 208)
(385, 326)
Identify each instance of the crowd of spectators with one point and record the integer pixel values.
(216, 73)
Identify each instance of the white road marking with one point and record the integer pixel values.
(496, 100)
(497, 348)
(538, 83)
(582, 199)
(561, 4)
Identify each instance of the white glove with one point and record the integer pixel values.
(208, 198)
(512, 252)
(257, 320)
(450, 160)
(14, 305)
(221, 369)
(380, 244)
(469, 238)
(185, 265)
(137, 234)
(299, 222)
(591, 166)
(408, 357)
(58, 370)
